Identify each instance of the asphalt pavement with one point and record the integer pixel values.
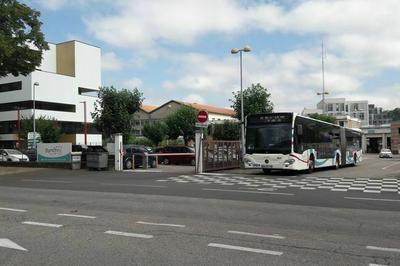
(348, 216)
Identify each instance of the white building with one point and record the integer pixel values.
(341, 107)
(69, 72)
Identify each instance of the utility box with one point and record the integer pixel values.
(76, 160)
(97, 160)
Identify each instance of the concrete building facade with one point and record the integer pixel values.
(69, 75)
(395, 137)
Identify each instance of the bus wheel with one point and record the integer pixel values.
(337, 163)
(311, 165)
(267, 171)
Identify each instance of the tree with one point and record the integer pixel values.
(256, 100)
(322, 117)
(394, 114)
(156, 131)
(114, 110)
(21, 40)
(229, 130)
(47, 127)
(181, 123)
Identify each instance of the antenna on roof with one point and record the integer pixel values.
(323, 93)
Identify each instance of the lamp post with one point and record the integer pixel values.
(235, 51)
(84, 121)
(34, 113)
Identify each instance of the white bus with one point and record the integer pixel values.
(287, 141)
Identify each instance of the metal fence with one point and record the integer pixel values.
(219, 154)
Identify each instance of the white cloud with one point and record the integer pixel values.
(144, 24)
(362, 39)
(194, 98)
(110, 62)
(133, 83)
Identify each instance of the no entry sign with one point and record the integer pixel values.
(202, 117)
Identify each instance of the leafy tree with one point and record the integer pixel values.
(181, 123)
(322, 117)
(228, 130)
(47, 127)
(256, 100)
(21, 40)
(156, 131)
(114, 109)
(394, 114)
(139, 141)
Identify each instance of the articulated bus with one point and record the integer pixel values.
(287, 141)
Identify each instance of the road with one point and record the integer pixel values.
(348, 216)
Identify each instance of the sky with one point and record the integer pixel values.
(180, 49)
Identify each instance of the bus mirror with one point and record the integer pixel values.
(299, 129)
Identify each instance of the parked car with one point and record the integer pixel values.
(32, 154)
(176, 159)
(11, 155)
(385, 153)
(139, 152)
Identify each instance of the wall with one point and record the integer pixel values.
(395, 137)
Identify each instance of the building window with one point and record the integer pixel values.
(362, 116)
(62, 107)
(14, 86)
(341, 123)
(330, 107)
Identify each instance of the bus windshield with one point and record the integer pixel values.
(269, 138)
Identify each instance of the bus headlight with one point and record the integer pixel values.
(288, 162)
(247, 161)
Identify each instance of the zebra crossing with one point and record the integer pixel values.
(263, 183)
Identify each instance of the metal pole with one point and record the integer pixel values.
(241, 106)
(323, 77)
(34, 116)
(85, 122)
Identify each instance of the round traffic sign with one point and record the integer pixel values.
(202, 117)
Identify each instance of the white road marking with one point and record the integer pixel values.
(76, 215)
(260, 235)
(242, 191)
(12, 210)
(373, 264)
(46, 181)
(255, 250)
(172, 225)
(390, 165)
(128, 234)
(131, 185)
(384, 249)
(7, 243)
(42, 224)
(373, 199)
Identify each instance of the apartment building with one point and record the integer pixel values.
(69, 76)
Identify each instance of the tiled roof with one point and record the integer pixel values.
(148, 108)
(211, 109)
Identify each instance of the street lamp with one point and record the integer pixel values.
(235, 51)
(34, 113)
(84, 121)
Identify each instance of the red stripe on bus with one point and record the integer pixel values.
(298, 158)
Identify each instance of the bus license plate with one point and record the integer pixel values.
(266, 166)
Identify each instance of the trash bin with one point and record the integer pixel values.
(76, 160)
(97, 160)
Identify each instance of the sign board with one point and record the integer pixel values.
(54, 152)
(202, 117)
(204, 125)
(30, 139)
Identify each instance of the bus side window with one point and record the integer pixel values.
(299, 129)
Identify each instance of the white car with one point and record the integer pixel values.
(385, 153)
(10, 155)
